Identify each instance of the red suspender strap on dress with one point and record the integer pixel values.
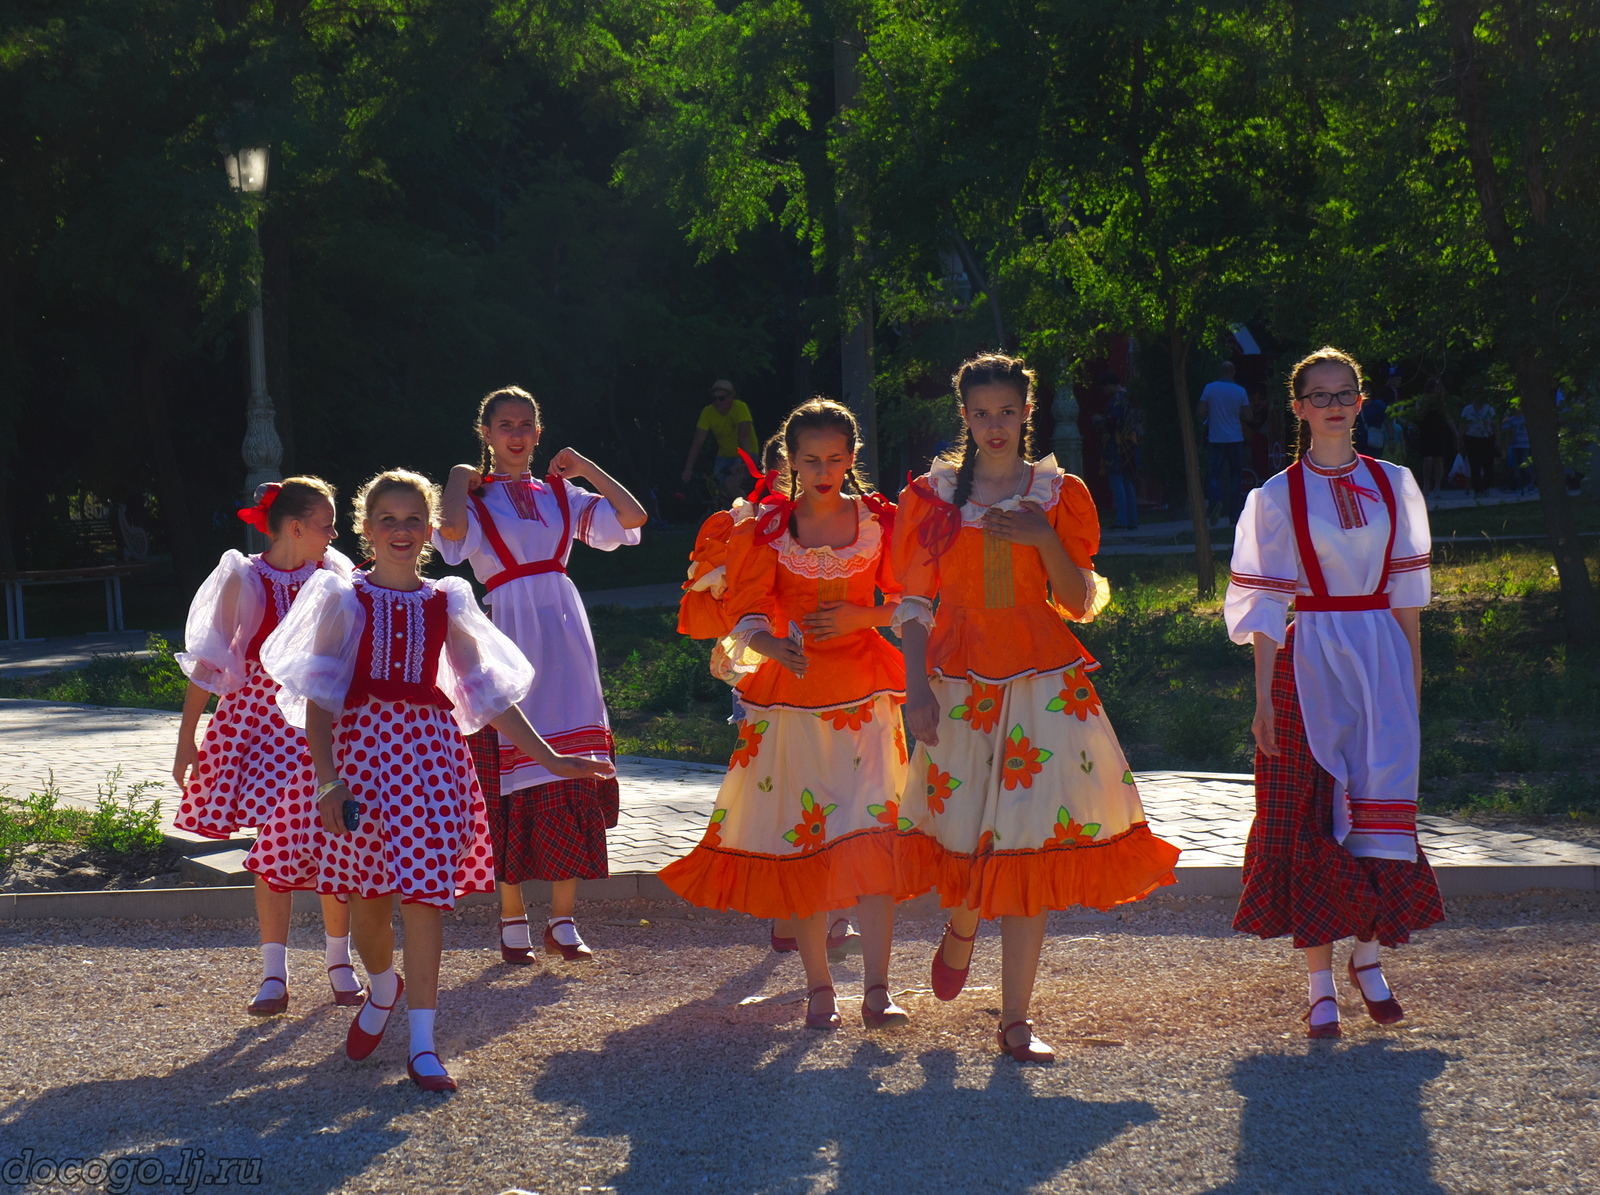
(1319, 597)
(512, 570)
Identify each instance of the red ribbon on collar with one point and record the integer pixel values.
(773, 521)
(256, 515)
(938, 534)
(528, 507)
(883, 508)
(1362, 491)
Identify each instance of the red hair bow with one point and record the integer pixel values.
(766, 483)
(256, 515)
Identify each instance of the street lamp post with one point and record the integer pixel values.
(262, 450)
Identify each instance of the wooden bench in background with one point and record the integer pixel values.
(108, 574)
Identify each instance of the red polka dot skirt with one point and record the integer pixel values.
(424, 832)
(250, 760)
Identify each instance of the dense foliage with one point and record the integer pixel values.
(613, 203)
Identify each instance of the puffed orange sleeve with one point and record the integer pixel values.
(1076, 520)
(915, 567)
(701, 614)
(752, 577)
(888, 583)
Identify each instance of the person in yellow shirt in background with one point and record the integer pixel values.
(727, 418)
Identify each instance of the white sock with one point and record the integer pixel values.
(515, 934)
(421, 1020)
(1373, 984)
(1320, 984)
(383, 986)
(564, 930)
(274, 970)
(337, 954)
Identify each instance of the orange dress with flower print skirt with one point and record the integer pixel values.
(1027, 802)
(807, 815)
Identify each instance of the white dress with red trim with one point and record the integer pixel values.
(250, 759)
(519, 536)
(1345, 546)
(406, 674)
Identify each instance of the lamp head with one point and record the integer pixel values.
(247, 169)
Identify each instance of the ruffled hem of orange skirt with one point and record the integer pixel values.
(783, 886)
(1125, 868)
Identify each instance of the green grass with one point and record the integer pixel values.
(661, 556)
(1519, 518)
(121, 823)
(154, 682)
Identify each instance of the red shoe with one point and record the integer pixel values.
(1034, 1051)
(515, 955)
(1385, 1012)
(1327, 1028)
(358, 1043)
(817, 1020)
(573, 954)
(782, 945)
(846, 943)
(947, 981)
(429, 1082)
(353, 999)
(270, 1007)
(892, 1016)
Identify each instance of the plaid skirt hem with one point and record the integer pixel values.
(554, 831)
(1297, 879)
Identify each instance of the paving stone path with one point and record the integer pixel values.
(665, 803)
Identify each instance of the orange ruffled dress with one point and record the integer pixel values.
(807, 815)
(1027, 802)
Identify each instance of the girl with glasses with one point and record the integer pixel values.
(1333, 851)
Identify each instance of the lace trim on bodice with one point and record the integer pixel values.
(397, 615)
(283, 586)
(832, 564)
(1044, 488)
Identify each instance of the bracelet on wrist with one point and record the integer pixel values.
(324, 789)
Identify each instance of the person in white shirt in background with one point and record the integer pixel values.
(1220, 404)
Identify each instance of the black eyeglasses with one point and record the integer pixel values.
(1322, 398)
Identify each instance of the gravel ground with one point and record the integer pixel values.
(677, 1062)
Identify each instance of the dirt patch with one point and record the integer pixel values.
(67, 867)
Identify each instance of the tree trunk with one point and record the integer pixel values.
(855, 337)
(1205, 563)
(1534, 376)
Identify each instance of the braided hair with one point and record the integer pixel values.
(1326, 355)
(819, 414)
(486, 409)
(989, 369)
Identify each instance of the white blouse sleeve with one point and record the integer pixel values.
(454, 551)
(594, 522)
(338, 562)
(312, 653)
(1264, 570)
(223, 618)
(482, 671)
(1411, 564)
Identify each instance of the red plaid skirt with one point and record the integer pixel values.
(554, 831)
(1297, 879)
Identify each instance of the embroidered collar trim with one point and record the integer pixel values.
(827, 563)
(1044, 488)
(397, 615)
(282, 585)
(1336, 471)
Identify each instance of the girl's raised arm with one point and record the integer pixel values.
(568, 463)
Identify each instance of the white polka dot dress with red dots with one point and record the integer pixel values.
(251, 761)
(407, 673)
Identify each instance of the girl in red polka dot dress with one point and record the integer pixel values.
(387, 671)
(252, 766)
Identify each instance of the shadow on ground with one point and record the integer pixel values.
(1368, 1135)
(750, 1113)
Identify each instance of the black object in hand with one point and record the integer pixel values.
(352, 815)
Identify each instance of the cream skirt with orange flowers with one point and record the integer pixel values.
(807, 816)
(1026, 803)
